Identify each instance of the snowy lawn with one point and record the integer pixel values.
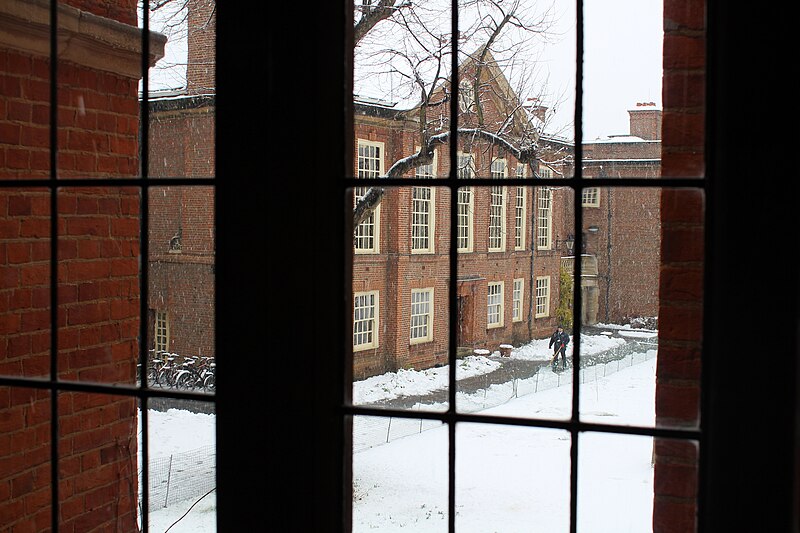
(507, 479)
(517, 479)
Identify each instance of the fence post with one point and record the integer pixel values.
(388, 429)
(169, 476)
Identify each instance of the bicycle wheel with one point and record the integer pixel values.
(184, 380)
(209, 383)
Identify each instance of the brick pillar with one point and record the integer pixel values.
(681, 282)
(202, 49)
(98, 266)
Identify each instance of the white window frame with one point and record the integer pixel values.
(520, 210)
(517, 295)
(373, 320)
(369, 230)
(497, 211)
(495, 304)
(542, 306)
(466, 96)
(590, 197)
(545, 171)
(161, 332)
(465, 238)
(424, 311)
(418, 244)
(544, 217)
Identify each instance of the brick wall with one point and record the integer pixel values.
(182, 276)
(202, 48)
(397, 270)
(681, 288)
(98, 292)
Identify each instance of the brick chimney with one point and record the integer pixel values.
(536, 109)
(645, 121)
(202, 49)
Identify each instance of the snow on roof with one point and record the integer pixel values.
(619, 139)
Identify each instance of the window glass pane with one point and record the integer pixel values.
(615, 490)
(98, 290)
(25, 282)
(25, 78)
(181, 465)
(98, 77)
(25, 437)
(399, 475)
(513, 476)
(620, 76)
(401, 60)
(516, 83)
(182, 90)
(98, 475)
(400, 300)
(181, 288)
(622, 264)
(654, 482)
(508, 297)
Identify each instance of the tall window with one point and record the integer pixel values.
(365, 320)
(161, 333)
(494, 304)
(543, 296)
(519, 218)
(544, 231)
(421, 315)
(590, 197)
(516, 300)
(466, 170)
(370, 165)
(423, 209)
(497, 208)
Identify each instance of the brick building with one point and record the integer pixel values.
(508, 279)
(97, 301)
(407, 256)
(181, 259)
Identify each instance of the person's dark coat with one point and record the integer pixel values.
(560, 339)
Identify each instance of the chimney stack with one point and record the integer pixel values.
(645, 121)
(202, 27)
(536, 109)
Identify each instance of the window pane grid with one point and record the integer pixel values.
(543, 203)
(91, 190)
(421, 301)
(421, 212)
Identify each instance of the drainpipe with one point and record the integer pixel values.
(531, 286)
(608, 257)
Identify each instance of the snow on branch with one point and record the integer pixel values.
(424, 156)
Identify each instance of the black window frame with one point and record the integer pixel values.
(280, 431)
(741, 447)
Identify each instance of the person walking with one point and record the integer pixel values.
(559, 341)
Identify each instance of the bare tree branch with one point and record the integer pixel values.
(424, 156)
(372, 14)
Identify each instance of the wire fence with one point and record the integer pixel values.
(371, 431)
(181, 476)
(189, 475)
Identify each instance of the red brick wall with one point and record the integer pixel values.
(182, 281)
(202, 48)
(680, 314)
(98, 269)
(396, 271)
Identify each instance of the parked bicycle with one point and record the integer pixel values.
(165, 369)
(196, 373)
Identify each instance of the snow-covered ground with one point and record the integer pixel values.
(419, 382)
(508, 479)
